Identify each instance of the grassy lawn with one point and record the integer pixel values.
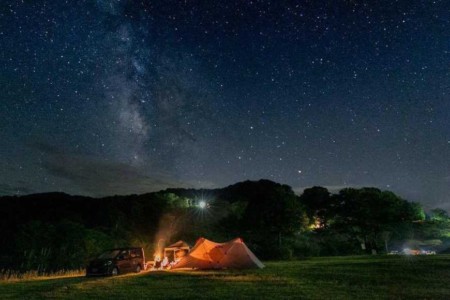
(379, 277)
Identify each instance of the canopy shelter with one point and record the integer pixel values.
(207, 254)
(176, 250)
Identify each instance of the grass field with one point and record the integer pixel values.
(378, 277)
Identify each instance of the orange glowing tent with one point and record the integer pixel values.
(207, 254)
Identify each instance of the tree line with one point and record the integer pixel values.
(56, 231)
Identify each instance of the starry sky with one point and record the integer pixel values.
(119, 97)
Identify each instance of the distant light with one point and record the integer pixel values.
(202, 204)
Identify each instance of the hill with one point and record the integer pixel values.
(54, 231)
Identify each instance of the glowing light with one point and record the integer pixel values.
(202, 204)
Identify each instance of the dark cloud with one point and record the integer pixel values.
(98, 177)
(7, 189)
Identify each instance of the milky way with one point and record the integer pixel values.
(119, 97)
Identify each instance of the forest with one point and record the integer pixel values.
(55, 231)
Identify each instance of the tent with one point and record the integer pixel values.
(207, 254)
(178, 249)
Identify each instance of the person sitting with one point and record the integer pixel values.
(157, 264)
(164, 263)
(173, 263)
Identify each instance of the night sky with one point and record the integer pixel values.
(119, 97)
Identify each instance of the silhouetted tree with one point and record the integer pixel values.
(318, 205)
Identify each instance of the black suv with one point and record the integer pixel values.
(117, 261)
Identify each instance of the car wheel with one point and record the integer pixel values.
(138, 269)
(115, 271)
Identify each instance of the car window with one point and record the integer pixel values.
(125, 253)
(135, 253)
